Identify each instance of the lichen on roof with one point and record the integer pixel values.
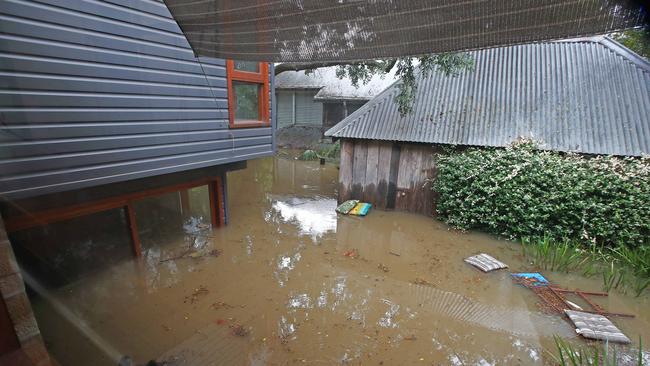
(330, 86)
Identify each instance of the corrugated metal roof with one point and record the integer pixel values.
(331, 87)
(585, 95)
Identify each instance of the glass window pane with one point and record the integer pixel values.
(247, 99)
(250, 66)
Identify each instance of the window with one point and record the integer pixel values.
(248, 94)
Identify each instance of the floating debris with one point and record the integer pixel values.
(238, 330)
(354, 207)
(485, 262)
(596, 326)
(221, 305)
(206, 253)
(196, 294)
(383, 267)
(529, 279)
(361, 209)
(352, 253)
(200, 242)
(554, 299)
(190, 253)
(574, 305)
(421, 281)
(411, 337)
(346, 206)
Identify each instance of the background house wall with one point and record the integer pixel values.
(298, 107)
(102, 92)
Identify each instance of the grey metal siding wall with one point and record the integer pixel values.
(308, 111)
(298, 107)
(284, 108)
(94, 92)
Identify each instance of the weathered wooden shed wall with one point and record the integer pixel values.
(97, 92)
(389, 175)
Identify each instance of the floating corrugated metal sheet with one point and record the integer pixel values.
(586, 95)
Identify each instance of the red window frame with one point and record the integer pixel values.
(261, 78)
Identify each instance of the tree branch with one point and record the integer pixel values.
(298, 66)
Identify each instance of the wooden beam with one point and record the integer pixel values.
(217, 204)
(65, 213)
(133, 229)
(582, 292)
(62, 214)
(221, 205)
(214, 215)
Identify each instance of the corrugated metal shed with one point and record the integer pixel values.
(330, 86)
(584, 95)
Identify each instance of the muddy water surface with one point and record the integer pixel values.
(289, 288)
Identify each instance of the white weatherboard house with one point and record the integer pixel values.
(319, 98)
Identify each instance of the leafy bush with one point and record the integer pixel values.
(521, 191)
(308, 155)
(331, 151)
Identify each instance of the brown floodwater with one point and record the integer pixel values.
(283, 290)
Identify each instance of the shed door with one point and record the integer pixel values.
(308, 112)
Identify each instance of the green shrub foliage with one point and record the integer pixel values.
(521, 191)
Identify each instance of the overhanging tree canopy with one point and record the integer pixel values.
(340, 30)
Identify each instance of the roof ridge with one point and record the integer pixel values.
(376, 100)
(633, 57)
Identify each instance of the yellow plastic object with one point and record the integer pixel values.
(361, 209)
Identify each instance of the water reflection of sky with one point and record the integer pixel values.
(313, 216)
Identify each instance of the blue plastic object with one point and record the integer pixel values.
(361, 209)
(535, 277)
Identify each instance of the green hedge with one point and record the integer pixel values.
(521, 191)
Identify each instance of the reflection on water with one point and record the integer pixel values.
(313, 216)
(274, 297)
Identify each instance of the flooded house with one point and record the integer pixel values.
(113, 134)
(589, 96)
(126, 128)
